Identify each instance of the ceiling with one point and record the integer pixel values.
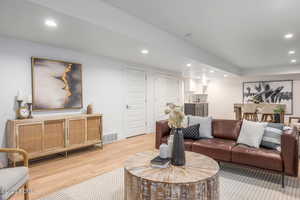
(100, 29)
(228, 38)
(248, 33)
(27, 23)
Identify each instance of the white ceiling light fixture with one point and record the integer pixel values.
(189, 65)
(50, 23)
(145, 51)
(225, 75)
(212, 71)
(292, 52)
(293, 61)
(288, 35)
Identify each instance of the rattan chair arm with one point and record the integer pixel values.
(20, 151)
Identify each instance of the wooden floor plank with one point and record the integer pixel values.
(52, 174)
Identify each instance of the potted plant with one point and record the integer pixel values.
(175, 122)
(277, 113)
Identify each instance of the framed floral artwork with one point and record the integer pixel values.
(278, 92)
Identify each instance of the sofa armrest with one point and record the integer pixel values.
(289, 152)
(162, 129)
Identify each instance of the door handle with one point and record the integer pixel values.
(127, 106)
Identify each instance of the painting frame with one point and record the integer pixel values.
(274, 81)
(33, 86)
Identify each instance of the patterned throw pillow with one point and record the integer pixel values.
(191, 132)
(272, 136)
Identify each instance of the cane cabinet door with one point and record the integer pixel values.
(54, 134)
(30, 137)
(76, 131)
(94, 128)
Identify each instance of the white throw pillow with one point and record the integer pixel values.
(205, 129)
(251, 133)
(185, 122)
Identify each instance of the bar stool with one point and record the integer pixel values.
(249, 112)
(267, 112)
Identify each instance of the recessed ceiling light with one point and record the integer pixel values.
(288, 35)
(145, 51)
(293, 61)
(50, 23)
(212, 71)
(189, 65)
(291, 52)
(225, 75)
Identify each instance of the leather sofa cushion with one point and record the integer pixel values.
(187, 143)
(226, 129)
(257, 157)
(219, 149)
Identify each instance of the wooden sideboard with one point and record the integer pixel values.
(50, 135)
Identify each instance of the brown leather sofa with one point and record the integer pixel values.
(224, 147)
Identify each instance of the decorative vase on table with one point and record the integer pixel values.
(178, 154)
(175, 122)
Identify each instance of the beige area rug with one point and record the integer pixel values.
(236, 183)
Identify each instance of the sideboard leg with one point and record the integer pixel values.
(66, 154)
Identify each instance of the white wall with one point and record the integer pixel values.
(223, 93)
(103, 83)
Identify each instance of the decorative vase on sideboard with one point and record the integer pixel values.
(89, 109)
(178, 154)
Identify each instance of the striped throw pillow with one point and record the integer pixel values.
(272, 136)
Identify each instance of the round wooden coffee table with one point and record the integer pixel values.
(198, 179)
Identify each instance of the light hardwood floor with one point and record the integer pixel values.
(50, 175)
(53, 174)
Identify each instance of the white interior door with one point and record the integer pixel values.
(135, 122)
(167, 90)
